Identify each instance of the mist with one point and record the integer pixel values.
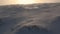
(8, 2)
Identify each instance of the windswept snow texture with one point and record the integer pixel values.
(30, 19)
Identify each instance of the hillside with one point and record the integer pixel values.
(30, 19)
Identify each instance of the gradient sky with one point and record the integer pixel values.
(4, 2)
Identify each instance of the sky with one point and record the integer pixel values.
(5, 2)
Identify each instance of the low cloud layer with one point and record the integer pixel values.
(6, 2)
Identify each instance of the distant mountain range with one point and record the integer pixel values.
(30, 19)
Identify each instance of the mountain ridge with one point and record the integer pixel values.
(16, 17)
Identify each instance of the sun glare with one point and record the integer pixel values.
(26, 1)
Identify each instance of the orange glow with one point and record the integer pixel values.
(26, 1)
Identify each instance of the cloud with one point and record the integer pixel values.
(5, 2)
